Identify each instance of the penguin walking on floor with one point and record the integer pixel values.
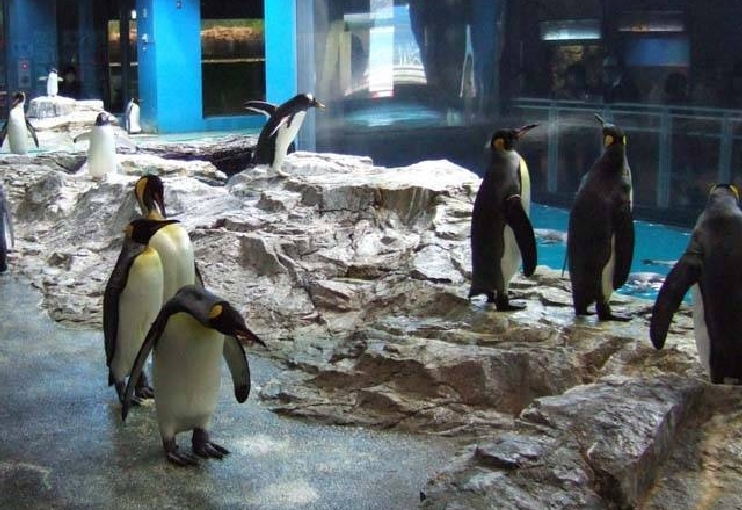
(280, 131)
(712, 267)
(131, 301)
(501, 232)
(102, 149)
(600, 236)
(6, 230)
(191, 333)
(172, 242)
(17, 127)
(133, 117)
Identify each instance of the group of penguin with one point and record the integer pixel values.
(155, 301)
(600, 246)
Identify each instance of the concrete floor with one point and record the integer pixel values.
(63, 445)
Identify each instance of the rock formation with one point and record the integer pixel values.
(356, 276)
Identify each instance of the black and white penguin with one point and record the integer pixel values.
(52, 82)
(600, 236)
(280, 131)
(501, 232)
(102, 149)
(712, 266)
(17, 127)
(6, 230)
(131, 301)
(132, 118)
(191, 333)
(172, 242)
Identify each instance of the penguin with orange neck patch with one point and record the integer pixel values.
(600, 236)
(501, 232)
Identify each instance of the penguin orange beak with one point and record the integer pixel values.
(523, 130)
(247, 337)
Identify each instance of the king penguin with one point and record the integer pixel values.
(6, 230)
(172, 242)
(102, 149)
(131, 301)
(712, 266)
(190, 334)
(133, 117)
(600, 236)
(501, 232)
(280, 131)
(17, 127)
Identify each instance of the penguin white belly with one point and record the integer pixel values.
(134, 120)
(703, 345)
(17, 131)
(606, 277)
(176, 253)
(102, 151)
(511, 259)
(52, 86)
(139, 304)
(187, 374)
(284, 137)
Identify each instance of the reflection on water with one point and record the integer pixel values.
(659, 244)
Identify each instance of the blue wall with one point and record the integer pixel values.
(280, 50)
(32, 36)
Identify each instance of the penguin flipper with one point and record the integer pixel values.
(82, 137)
(284, 121)
(263, 107)
(112, 294)
(32, 130)
(685, 273)
(239, 367)
(3, 133)
(517, 219)
(623, 227)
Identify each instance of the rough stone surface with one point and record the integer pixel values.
(357, 278)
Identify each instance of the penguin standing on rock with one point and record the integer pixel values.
(600, 236)
(102, 149)
(133, 117)
(17, 127)
(189, 336)
(280, 131)
(501, 232)
(712, 266)
(52, 82)
(131, 301)
(6, 231)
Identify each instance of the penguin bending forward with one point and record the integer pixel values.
(172, 242)
(102, 149)
(280, 131)
(131, 301)
(501, 232)
(6, 230)
(712, 266)
(191, 333)
(17, 127)
(600, 236)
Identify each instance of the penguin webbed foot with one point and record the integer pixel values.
(121, 392)
(503, 304)
(143, 390)
(175, 456)
(205, 448)
(605, 314)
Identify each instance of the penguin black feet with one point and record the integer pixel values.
(142, 389)
(121, 392)
(204, 448)
(175, 456)
(605, 314)
(503, 304)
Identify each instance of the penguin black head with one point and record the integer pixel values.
(719, 191)
(53, 70)
(504, 139)
(224, 318)
(18, 98)
(150, 192)
(104, 119)
(612, 134)
(142, 230)
(306, 101)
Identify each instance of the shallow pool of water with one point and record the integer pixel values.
(660, 244)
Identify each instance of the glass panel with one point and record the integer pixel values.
(232, 55)
(117, 60)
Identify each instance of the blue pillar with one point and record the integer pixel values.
(280, 50)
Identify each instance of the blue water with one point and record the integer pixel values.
(657, 242)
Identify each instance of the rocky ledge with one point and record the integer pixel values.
(357, 278)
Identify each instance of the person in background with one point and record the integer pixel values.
(575, 83)
(617, 85)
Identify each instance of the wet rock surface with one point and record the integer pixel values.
(357, 278)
